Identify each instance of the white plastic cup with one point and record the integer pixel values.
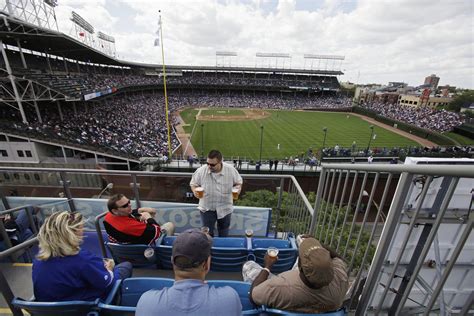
(249, 233)
(149, 254)
(272, 252)
(235, 193)
(200, 192)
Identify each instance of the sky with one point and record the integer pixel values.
(381, 40)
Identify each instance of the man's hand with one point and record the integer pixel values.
(109, 264)
(269, 261)
(149, 210)
(145, 216)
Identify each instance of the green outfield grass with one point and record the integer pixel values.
(460, 138)
(189, 117)
(295, 131)
(222, 112)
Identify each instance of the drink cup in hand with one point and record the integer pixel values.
(272, 252)
(199, 192)
(235, 193)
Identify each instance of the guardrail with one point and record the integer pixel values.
(354, 239)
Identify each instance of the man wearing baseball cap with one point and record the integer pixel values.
(317, 285)
(190, 294)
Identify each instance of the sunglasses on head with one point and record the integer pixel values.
(125, 205)
(212, 164)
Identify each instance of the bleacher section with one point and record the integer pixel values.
(228, 254)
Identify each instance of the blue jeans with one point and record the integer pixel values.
(209, 219)
(124, 270)
(23, 226)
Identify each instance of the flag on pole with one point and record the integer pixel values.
(157, 40)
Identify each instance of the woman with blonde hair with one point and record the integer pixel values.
(62, 271)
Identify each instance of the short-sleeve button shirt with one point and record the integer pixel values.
(217, 188)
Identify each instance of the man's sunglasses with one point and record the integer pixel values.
(125, 205)
(212, 164)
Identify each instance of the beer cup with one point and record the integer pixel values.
(200, 192)
(235, 193)
(272, 252)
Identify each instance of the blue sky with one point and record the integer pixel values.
(382, 40)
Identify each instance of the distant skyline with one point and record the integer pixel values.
(382, 41)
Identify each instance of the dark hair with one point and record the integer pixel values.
(215, 154)
(112, 202)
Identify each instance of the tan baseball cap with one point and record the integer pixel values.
(315, 263)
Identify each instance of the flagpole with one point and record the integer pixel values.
(164, 85)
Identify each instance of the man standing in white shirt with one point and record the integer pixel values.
(213, 184)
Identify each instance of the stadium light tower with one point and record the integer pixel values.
(38, 12)
(371, 135)
(106, 43)
(83, 29)
(225, 56)
(274, 55)
(326, 58)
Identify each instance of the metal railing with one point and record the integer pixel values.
(293, 211)
(352, 229)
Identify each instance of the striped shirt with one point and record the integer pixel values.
(217, 188)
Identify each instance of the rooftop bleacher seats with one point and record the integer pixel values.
(69, 308)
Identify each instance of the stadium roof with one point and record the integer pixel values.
(43, 40)
(40, 39)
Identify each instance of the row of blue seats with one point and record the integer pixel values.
(123, 299)
(227, 254)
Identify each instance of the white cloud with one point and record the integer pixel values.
(397, 40)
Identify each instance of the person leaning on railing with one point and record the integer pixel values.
(318, 283)
(62, 271)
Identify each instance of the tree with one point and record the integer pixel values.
(464, 99)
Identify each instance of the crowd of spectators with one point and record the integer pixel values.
(132, 126)
(423, 116)
(263, 101)
(135, 125)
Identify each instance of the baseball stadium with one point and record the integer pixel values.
(386, 187)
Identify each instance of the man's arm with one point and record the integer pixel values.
(149, 210)
(264, 273)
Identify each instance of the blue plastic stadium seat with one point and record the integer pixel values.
(227, 254)
(272, 312)
(74, 308)
(134, 253)
(242, 288)
(123, 298)
(287, 254)
(131, 253)
(165, 251)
